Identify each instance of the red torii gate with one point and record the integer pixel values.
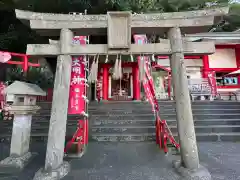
(5, 57)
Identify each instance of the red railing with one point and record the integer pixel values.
(164, 135)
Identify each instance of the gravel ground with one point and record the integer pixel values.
(134, 161)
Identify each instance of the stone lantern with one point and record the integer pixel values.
(23, 107)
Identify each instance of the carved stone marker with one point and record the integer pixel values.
(119, 30)
(24, 105)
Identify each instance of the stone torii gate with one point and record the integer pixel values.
(119, 27)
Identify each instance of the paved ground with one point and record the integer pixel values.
(136, 161)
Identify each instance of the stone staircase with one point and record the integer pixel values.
(131, 121)
(134, 121)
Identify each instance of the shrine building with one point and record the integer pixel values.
(225, 60)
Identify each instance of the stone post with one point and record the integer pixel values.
(55, 167)
(186, 132)
(24, 106)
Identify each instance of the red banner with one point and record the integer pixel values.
(2, 95)
(77, 92)
(212, 82)
(99, 87)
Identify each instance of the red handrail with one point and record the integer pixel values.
(163, 135)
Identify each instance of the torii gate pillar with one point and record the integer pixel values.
(55, 167)
(189, 166)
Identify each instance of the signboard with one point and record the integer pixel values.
(76, 103)
(199, 86)
(212, 82)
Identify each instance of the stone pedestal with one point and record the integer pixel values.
(53, 174)
(19, 150)
(197, 173)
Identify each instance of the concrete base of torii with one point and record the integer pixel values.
(54, 174)
(200, 173)
(19, 151)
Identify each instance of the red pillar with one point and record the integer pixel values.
(205, 69)
(25, 65)
(105, 82)
(136, 83)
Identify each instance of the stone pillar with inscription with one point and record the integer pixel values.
(189, 166)
(23, 107)
(55, 167)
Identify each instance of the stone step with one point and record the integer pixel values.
(148, 111)
(209, 122)
(213, 137)
(165, 116)
(146, 104)
(229, 136)
(205, 116)
(165, 111)
(205, 122)
(143, 122)
(132, 129)
(140, 104)
(151, 129)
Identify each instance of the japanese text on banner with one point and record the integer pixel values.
(78, 83)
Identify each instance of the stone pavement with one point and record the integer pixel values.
(135, 161)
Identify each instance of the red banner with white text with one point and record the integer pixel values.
(76, 103)
(212, 82)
